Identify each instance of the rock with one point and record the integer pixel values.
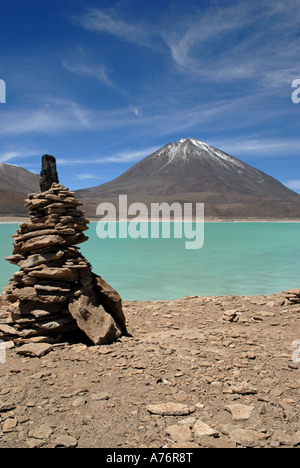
(240, 412)
(296, 439)
(34, 349)
(110, 299)
(100, 396)
(4, 407)
(23, 294)
(179, 433)
(169, 409)
(9, 344)
(280, 437)
(40, 288)
(244, 388)
(181, 396)
(292, 295)
(31, 294)
(48, 173)
(92, 319)
(14, 259)
(80, 401)
(30, 310)
(189, 421)
(293, 291)
(34, 443)
(244, 437)
(58, 274)
(85, 276)
(41, 432)
(35, 204)
(9, 425)
(201, 429)
(230, 315)
(54, 324)
(37, 259)
(65, 441)
(31, 234)
(38, 243)
(8, 331)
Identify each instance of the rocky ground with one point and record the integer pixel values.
(196, 372)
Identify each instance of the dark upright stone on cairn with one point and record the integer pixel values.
(49, 173)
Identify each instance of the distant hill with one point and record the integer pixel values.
(15, 184)
(193, 171)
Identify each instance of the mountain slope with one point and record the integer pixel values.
(192, 171)
(15, 184)
(187, 171)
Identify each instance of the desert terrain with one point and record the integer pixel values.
(195, 372)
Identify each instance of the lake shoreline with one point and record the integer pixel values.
(19, 220)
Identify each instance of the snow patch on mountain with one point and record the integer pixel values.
(182, 150)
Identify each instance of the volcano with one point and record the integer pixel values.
(191, 171)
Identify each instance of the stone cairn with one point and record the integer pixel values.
(292, 296)
(55, 296)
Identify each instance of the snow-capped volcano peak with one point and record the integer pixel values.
(187, 149)
(195, 142)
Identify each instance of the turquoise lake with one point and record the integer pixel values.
(236, 258)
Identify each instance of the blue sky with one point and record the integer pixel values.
(102, 84)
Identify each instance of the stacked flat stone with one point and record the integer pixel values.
(292, 295)
(55, 293)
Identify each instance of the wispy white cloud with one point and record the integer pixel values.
(225, 42)
(241, 41)
(293, 184)
(118, 157)
(109, 22)
(135, 110)
(86, 176)
(60, 116)
(16, 155)
(8, 156)
(189, 44)
(222, 43)
(263, 147)
(129, 156)
(97, 71)
(41, 120)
